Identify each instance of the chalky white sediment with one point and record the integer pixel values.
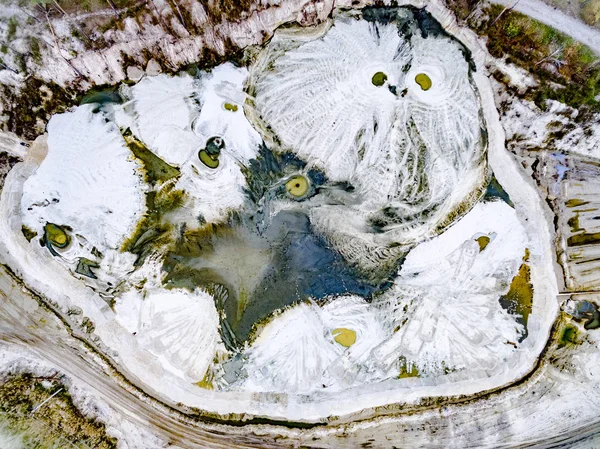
(403, 148)
(183, 327)
(445, 301)
(215, 192)
(87, 181)
(160, 111)
(321, 405)
(443, 313)
(175, 117)
(296, 351)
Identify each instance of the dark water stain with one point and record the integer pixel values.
(587, 312)
(102, 96)
(256, 264)
(270, 168)
(409, 20)
(262, 272)
(304, 266)
(495, 190)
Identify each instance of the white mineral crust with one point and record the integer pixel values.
(88, 181)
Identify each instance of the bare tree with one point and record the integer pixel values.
(43, 6)
(179, 13)
(113, 6)
(508, 8)
(62, 11)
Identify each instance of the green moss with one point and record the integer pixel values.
(36, 54)
(11, 29)
(512, 29)
(156, 170)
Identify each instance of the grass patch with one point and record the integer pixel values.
(590, 12)
(36, 54)
(11, 29)
(568, 71)
(58, 423)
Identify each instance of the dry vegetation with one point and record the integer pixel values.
(57, 423)
(590, 12)
(568, 71)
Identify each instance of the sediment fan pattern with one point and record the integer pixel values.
(290, 248)
(183, 327)
(297, 351)
(159, 110)
(442, 315)
(446, 306)
(348, 103)
(88, 181)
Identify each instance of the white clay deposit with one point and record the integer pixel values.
(182, 327)
(445, 303)
(446, 296)
(351, 143)
(88, 181)
(406, 148)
